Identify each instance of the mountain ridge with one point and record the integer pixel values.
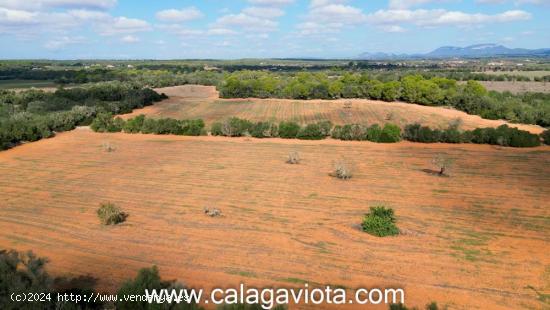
(471, 51)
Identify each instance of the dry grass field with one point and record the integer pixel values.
(192, 101)
(517, 87)
(474, 240)
(530, 74)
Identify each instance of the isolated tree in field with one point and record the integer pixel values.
(342, 170)
(109, 214)
(442, 163)
(293, 158)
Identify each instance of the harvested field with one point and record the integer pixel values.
(517, 87)
(529, 74)
(192, 101)
(474, 240)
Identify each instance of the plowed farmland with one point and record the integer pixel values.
(475, 240)
(192, 101)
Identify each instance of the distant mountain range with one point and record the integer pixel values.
(472, 51)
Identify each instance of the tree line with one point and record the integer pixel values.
(389, 133)
(471, 97)
(33, 115)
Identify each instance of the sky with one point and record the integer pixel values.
(224, 29)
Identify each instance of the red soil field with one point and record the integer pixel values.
(194, 101)
(474, 240)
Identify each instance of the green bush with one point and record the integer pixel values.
(380, 221)
(104, 122)
(546, 136)
(390, 133)
(134, 125)
(264, 130)
(216, 129)
(312, 132)
(109, 214)
(288, 130)
(193, 127)
(374, 132)
(355, 132)
(236, 127)
(149, 278)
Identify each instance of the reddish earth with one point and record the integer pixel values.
(193, 101)
(474, 240)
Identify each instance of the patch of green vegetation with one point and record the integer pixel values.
(380, 222)
(313, 195)
(243, 273)
(295, 280)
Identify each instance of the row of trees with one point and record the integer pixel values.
(471, 97)
(389, 133)
(104, 122)
(502, 135)
(33, 115)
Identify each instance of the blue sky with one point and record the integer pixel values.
(177, 29)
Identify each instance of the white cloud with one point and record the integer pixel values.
(123, 25)
(16, 17)
(405, 4)
(61, 42)
(516, 2)
(337, 13)
(318, 3)
(220, 32)
(393, 28)
(271, 2)
(44, 4)
(441, 17)
(265, 12)
(247, 22)
(183, 15)
(130, 39)
(329, 16)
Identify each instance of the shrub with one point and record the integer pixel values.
(149, 279)
(109, 214)
(108, 147)
(235, 127)
(546, 136)
(391, 133)
(22, 273)
(293, 158)
(264, 130)
(216, 129)
(193, 127)
(342, 170)
(374, 132)
(104, 122)
(356, 132)
(451, 135)
(380, 221)
(288, 130)
(325, 127)
(134, 125)
(311, 132)
(505, 136)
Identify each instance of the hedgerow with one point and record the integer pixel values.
(390, 133)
